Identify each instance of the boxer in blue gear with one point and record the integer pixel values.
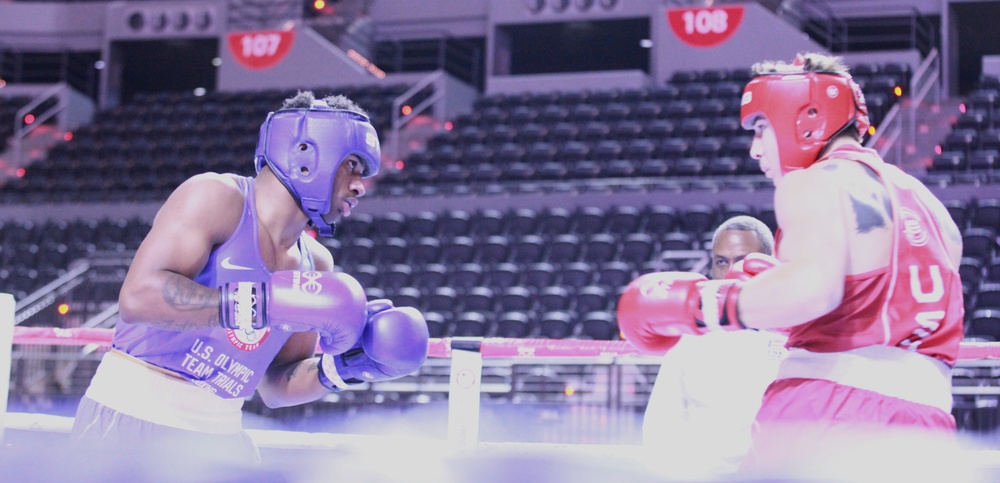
(228, 295)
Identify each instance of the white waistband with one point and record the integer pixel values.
(130, 386)
(886, 370)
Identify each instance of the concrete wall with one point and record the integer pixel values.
(52, 26)
(421, 19)
(312, 61)
(622, 79)
(180, 19)
(760, 36)
(991, 65)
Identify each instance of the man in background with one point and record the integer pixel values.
(709, 387)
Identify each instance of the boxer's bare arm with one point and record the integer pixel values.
(159, 288)
(811, 210)
(292, 377)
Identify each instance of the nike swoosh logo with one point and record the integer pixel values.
(230, 266)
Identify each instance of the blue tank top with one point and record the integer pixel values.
(230, 363)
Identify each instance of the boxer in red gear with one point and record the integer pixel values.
(868, 286)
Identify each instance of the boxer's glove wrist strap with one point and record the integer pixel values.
(718, 304)
(242, 305)
(328, 375)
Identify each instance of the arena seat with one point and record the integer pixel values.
(992, 269)
(592, 298)
(539, 274)
(442, 299)
(979, 243)
(986, 214)
(574, 275)
(556, 325)
(478, 299)
(513, 325)
(554, 221)
(554, 298)
(437, 324)
(458, 249)
(638, 247)
(516, 299)
(502, 275)
(599, 325)
(614, 274)
(431, 275)
(984, 323)
(984, 160)
(563, 248)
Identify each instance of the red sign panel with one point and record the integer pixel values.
(705, 27)
(261, 50)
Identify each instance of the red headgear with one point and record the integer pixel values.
(806, 110)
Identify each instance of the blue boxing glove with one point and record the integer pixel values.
(393, 344)
(332, 304)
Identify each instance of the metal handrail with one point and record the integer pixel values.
(888, 127)
(930, 68)
(47, 295)
(399, 121)
(21, 130)
(102, 319)
(924, 81)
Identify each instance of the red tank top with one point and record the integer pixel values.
(914, 303)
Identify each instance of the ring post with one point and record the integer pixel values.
(6, 341)
(464, 392)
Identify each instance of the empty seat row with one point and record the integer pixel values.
(495, 136)
(132, 152)
(574, 150)
(531, 248)
(598, 325)
(621, 221)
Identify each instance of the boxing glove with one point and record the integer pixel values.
(656, 308)
(750, 266)
(393, 344)
(330, 303)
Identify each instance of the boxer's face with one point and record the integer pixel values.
(347, 188)
(730, 247)
(765, 148)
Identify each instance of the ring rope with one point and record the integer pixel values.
(494, 347)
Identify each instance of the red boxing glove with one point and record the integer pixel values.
(750, 266)
(656, 308)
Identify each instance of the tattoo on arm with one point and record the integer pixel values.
(307, 366)
(180, 296)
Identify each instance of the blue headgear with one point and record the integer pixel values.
(304, 148)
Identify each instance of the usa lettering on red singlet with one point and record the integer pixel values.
(929, 320)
